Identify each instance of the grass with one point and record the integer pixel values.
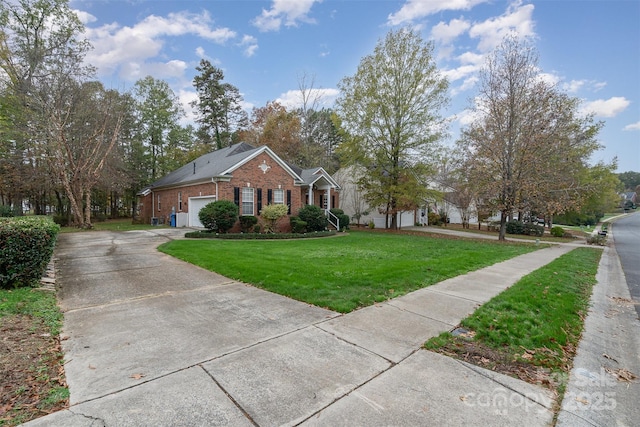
(539, 320)
(345, 272)
(40, 305)
(32, 369)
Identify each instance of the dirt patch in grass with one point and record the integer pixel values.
(32, 381)
(503, 362)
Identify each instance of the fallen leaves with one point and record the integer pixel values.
(622, 374)
(137, 376)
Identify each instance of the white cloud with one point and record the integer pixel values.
(574, 86)
(460, 72)
(471, 58)
(416, 9)
(287, 12)
(468, 83)
(606, 107)
(128, 48)
(85, 17)
(250, 45)
(467, 117)
(633, 126)
(491, 32)
(446, 33)
(293, 98)
(549, 78)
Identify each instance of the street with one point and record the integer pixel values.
(626, 233)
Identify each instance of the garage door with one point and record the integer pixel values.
(195, 204)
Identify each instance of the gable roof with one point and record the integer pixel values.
(311, 176)
(221, 164)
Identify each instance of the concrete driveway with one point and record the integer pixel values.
(151, 340)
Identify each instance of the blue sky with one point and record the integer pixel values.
(589, 48)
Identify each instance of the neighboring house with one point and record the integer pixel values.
(352, 202)
(250, 177)
(629, 200)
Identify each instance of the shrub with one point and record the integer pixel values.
(557, 231)
(298, 226)
(219, 216)
(6, 211)
(597, 239)
(515, 227)
(434, 219)
(531, 229)
(372, 225)
(256, 228)
(26, 246)
(271, 214)
(344, 219)
(314, 217)
(247, 223)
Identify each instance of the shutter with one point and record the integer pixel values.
(269, 196)
(236, 196)
(288, 202)
(259, 200)
(333, 201)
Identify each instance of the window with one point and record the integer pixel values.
(247, 201)
(159, 206)
(278, 197)
(179, 200)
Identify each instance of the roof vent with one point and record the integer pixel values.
(194, 168)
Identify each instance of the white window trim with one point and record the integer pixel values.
(243, 201)
(275, 198)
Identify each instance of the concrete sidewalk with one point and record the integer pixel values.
(601, 390)
(151, 340)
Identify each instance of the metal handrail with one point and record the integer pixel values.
(329, 216)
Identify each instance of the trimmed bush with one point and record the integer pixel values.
(528, 228)
(557, 231)
(314, 217)
(255, 236)
(298, 226)
(247, 223)
(515, 227)
(219, 216)
(531, 229)
(26, 246)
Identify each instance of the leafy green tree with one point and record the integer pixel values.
(630, 180)
(159, 112)
(219, 105)
(391, 108)
(219, 216)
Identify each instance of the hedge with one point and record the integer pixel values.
(256, 236)
(26, 247)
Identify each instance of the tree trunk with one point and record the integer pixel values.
(503, 226)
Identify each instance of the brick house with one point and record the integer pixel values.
(250, 177)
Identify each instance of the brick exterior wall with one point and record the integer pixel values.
(250, 175)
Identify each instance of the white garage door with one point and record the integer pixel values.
(195, 204)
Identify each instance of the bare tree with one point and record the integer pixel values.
(529, 142)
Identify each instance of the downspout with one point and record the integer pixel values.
(215, 181)
(153, 206)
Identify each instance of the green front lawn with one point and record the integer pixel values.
(344, 272)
